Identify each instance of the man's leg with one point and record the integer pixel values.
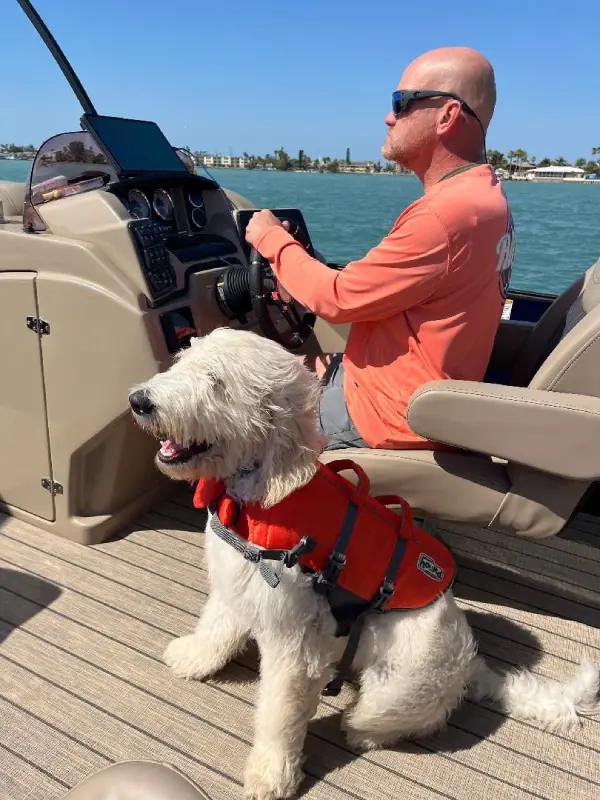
(334, 419)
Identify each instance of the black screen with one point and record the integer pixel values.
(242, 218)
(135, 146)
(178, 327)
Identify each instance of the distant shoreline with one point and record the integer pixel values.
(309, 171)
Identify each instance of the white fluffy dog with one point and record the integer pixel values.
(238, 407)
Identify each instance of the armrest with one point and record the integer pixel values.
(548, 431)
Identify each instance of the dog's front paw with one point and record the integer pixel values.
(187, 658)
(271, 776)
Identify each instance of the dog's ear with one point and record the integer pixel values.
(283, 470)
(293, 445)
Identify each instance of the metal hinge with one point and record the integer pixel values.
(38, 325)
(52, 486)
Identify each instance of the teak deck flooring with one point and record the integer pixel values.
(82, 683)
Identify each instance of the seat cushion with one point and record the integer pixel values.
(134, 780)
(457, 487)
(12, 194)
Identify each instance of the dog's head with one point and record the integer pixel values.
(237, 407)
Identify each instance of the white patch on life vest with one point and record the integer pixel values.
(428, 567)
(507, 310)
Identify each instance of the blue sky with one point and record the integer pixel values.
(230, 76)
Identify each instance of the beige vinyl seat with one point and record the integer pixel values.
(528, 450)
(12, 194)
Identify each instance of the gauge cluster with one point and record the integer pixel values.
(179, 226)
(196, 210)
(144, 204)
(159, 205)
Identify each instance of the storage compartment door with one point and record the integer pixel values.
(24, 449)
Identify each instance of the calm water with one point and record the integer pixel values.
(558, 225)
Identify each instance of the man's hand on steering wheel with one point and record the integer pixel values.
(266, 291)
(260, 222)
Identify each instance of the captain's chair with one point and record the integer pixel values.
(12, 194)
(528, 450)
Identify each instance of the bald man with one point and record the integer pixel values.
(424, 304)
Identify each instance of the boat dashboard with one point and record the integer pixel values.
(179, 224)
(187, 235)
(153, 229)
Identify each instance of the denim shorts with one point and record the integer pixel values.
(334, 419)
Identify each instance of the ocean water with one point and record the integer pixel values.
(557, 225)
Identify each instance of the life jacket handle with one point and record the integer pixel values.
(406, 518)
(361, 490)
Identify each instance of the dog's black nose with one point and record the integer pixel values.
(141, 403)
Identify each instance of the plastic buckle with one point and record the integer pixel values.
(385, 593)
(250, 554)
(330, 575)
(293, 556)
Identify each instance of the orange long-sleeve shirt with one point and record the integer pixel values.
(425, 303)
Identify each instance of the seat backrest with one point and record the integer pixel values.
(562, 355)
(572, 364)
(559, 335)
(12, 194)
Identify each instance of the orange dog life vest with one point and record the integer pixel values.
(365, 558)
(349, 537)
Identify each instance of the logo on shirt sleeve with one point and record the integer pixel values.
(505, 250)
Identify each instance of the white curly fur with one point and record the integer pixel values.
(256, 404)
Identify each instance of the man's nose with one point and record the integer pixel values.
(390, 119)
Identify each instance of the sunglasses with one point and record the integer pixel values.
(403, 99)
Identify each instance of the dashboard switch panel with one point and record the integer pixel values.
(150, 238)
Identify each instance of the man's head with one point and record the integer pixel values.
(432, 126)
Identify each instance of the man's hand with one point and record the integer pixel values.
(260, 222)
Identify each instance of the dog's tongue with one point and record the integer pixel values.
(170, 448)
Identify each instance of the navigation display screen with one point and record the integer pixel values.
(242, 218)
(134, 145)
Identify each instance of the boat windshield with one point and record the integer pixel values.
(66, 164)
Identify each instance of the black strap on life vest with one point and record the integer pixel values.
(377, 605)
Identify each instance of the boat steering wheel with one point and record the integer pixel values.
(267, 295)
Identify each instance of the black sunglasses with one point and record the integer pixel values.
(404, 98)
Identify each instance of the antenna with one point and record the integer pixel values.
(58, 55)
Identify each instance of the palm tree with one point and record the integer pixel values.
(561, 162)
(521, 156)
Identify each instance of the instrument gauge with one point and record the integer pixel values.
(196, 199)
(138, 204)
(199, 217)
(163, 205)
